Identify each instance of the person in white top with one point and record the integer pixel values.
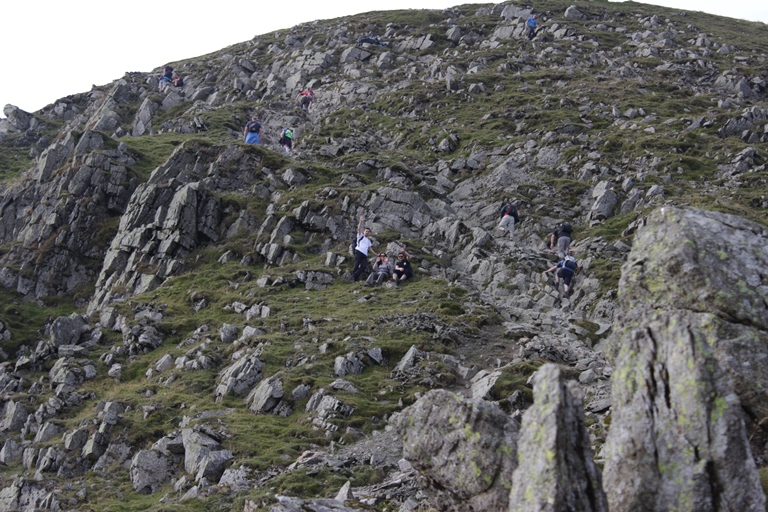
(362, 244)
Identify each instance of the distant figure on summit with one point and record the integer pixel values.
(531, 23)
(251, 131)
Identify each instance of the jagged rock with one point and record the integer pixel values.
(11, 452)
(14, 416)
(203, 455)
(236, 479)
(228, 333)
(75, 440)
(556, 470)
(685, 381)
(288, 504)
(239, 377)
(465, 448)
(115, 454)
(266, 396)
(24, 495)
(149, 470)
(47, 432)
(352, 363)
(483, 382)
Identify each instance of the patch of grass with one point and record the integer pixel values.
(25, 319)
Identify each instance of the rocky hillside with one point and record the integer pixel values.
(178, 327)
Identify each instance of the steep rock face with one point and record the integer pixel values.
(465, 448)
(556, 470)
(171, 214)
(57, 216)
(691, 347)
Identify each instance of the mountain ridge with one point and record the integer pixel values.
(189, 272)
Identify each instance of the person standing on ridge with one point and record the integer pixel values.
(251, 131)
(362, 244)
(531, 23)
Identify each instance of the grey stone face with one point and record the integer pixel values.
(693, 322)
(466, 448)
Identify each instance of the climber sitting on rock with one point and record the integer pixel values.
(403, 268)
(165, 78)
(382, 270)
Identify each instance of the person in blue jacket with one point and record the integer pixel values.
(531, 23)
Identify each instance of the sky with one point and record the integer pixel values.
(51, 49)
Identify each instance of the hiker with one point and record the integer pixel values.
(403, 268)
(562, 237)
(177, 81)
(382, 270)
(286, 139)
(165, 78)
(567, 268)
(251, 131)
(371, 39)
(306, 98)
(531, 23)
(362, 244)
(509, 217)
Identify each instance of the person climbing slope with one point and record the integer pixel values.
(286, 139)
(251, 131)
(567, 268)
(531, 24)
(306, 98)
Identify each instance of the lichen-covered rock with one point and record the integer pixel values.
(465, 448)
(556, 470)
(688, 347)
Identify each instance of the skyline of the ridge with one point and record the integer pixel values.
(55, 49)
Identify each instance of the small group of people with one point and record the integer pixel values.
(252, 134)
(252, 130)
(559, 241)
(382, 269)
(169, 77)
(567, 268)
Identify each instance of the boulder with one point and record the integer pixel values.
(556, 470)
(150, 469)
(66, 330)
(13, 417)
(266, 396)
(693, 323)
(466, 449)
(239, 377)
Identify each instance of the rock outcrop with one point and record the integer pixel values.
(465, 448)
(690, 345)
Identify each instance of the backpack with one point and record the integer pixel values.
(288, 134)
(566, 228)
(253, 127)
(509, 209)
(570, 263)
